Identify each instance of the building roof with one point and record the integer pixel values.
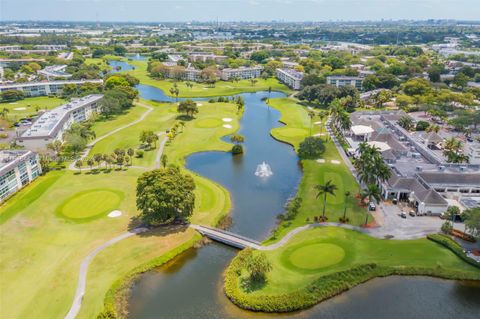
(50, 122)
(11, 158)
(361, 129)
(430, 197)
(380, 145)
(387, 137)
(458, 179)
(431, 137)
(30, 84)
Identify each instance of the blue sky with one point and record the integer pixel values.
(237, 10)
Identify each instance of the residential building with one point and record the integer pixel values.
(55, 71)
(44, 88)
(290, 77)
(204, 57)
(17, 169)
(339, 81)
(51, 125)
(241, 73)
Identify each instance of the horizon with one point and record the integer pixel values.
(181, 11)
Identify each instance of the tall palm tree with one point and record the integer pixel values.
(327, 188)
(371, 192)
(311, 114)
(347, 195)
(322, 115)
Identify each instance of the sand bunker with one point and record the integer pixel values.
(320, 160)
(227, 119)
(227, 126)
(115, 213)
(19, 108)
(335, 162)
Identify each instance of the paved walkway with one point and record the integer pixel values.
(82, 276)
(340, 150)
(226, 237)
(118, 129)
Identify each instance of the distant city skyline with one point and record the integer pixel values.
(236, 10)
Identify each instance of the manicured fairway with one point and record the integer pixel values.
(90, 204)
(30, 106)
(37, 244)
(297, 128)
(208, 123)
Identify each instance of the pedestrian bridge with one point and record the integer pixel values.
(226, 237)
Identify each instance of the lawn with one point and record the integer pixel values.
(49, 248)
(323, 251)
(30, 106)
(297, 127)
(221, 88)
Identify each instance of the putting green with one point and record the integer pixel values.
(90, 204)
(208, 123)
(293, 132)
(315, 256)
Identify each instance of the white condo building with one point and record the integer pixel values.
(339, 81)
(290, 77)
(51, 125)
(17, 169)
(44, 88)
(241, 73)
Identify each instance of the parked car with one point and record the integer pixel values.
(412, 213)
(403, 215)
(372, 207)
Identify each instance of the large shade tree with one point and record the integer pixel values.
(164, 195)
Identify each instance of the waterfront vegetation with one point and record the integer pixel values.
(31, 220)
(342, 259)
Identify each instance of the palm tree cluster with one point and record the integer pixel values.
(453, 151)
(119, 157)
(340, 117)
(370, 165)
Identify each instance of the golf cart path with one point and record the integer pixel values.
(82, 276)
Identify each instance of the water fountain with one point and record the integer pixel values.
(263, 170)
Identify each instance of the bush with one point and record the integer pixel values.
(453, 246)
(139, 153)
(237, 149)
(311, 148)
(422, 125)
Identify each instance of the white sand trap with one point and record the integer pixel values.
(318, 123)
(13, 103)
(335, 162)
(199, 104)
(115, 213)
(320, 160)
(19, 108)
(227, 119)
(319, 134)
(227, 126)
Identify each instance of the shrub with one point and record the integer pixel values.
(237, 149)
(139, 153)
(422, 125)
(453, 246)
(311, 148)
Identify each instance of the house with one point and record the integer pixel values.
(17, 169)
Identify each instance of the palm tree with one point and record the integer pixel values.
(5, 112)
(328, 188)
(322, 115)
(433, 128)
(311, 114)
(371, 192)
(347, 195)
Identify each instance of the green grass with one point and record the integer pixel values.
(221, 88)
(296, 265)
(37, 243)
(29, 106)
(296, 120)
(90, 204)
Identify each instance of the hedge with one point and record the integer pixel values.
(449, 243)
(324, 287)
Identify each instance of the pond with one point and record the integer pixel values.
(190, 286)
